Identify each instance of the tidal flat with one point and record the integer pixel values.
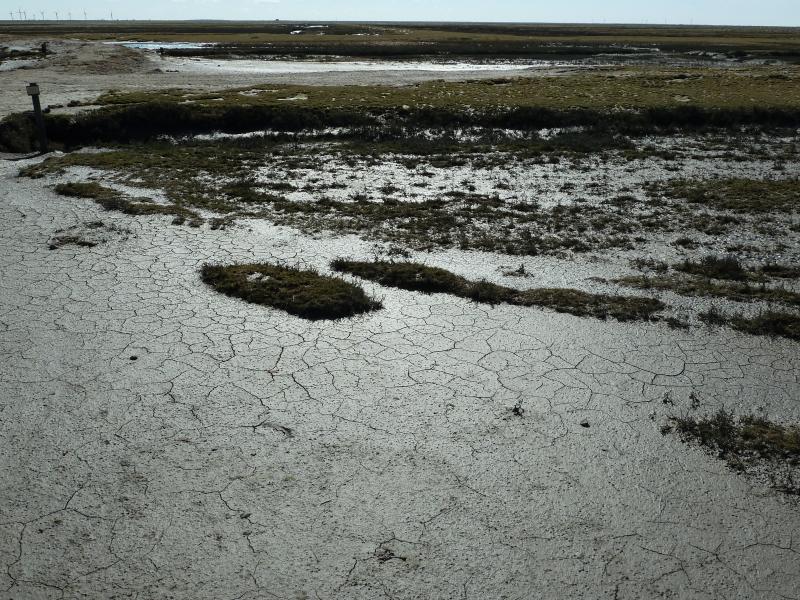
(499, 336)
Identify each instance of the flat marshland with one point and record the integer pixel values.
(522, 296)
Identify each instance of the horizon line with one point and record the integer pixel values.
(389, 22)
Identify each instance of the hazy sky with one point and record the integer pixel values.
(733, 12)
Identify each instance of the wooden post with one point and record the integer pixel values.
(33, 92)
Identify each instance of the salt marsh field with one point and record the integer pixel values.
(346, 326)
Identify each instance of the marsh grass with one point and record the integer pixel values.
(219, 176)
(750, 444)
(733, 41)
(111, 199)
(190, 177)
(780, 271)
(422, 278)
(635, 102)
(771, 323)
(744, 438)
(302, 293)
(738, 195)
(743, 94)
(702, 286)
(717, 267)
(731, 268)
(17, 133)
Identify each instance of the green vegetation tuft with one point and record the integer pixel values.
(771, 323)
(780, 271)
(576, 302)
(111, 199)
(305, 294)
(749, 444)
(738, 195)
(747, 437)
(422, 278)
(70, 240)
(691, 286)
(716, 267)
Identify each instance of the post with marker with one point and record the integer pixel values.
(33, 92)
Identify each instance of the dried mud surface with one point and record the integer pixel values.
(160, 440)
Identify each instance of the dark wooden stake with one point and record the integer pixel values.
(33, 92)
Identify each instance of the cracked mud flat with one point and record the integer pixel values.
(158, 440)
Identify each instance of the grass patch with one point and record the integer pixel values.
(716, 267)
(576, 302)
(305, 294)
(771, 323)
(746, 437)
(738, 195)
(422, 278)
(111, 199)
(747, 444)
(739, 94)
(780, 271)
(70, 240)
(691, 286)
(731, 268)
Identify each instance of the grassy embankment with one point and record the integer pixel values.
(631, 100)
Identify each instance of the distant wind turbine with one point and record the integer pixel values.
(24, 16)
(84, 16)
(69, 14)
(41, 11)
(12, 15)
(56, 15)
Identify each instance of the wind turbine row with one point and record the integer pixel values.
(22, 15)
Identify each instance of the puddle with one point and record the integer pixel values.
(14, 64)
(268, 66)
(166, 45)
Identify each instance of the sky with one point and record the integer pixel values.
(711, 12)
